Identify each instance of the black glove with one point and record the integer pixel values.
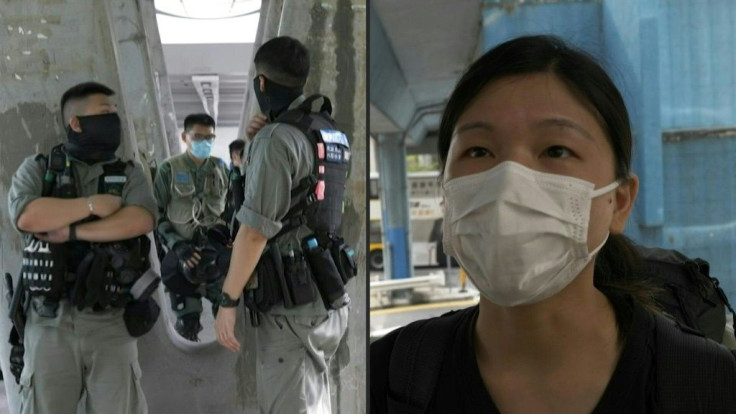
(184, 251)
(219, 234)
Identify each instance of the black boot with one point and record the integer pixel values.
(188, 326)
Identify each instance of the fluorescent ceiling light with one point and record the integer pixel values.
(207, 9)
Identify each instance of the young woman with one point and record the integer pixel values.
(535, 145)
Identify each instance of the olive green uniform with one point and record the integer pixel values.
(294, 345)
(77, 355)
(188, 197)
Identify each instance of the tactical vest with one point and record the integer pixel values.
(190, 207)
(128, 259)
(317, 200)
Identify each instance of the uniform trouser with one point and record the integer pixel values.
(80, 358)
(188, 304)
(293, 361)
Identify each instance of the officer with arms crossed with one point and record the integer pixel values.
(190, 189)
(69, 206)
(295, 173)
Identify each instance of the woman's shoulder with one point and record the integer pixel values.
(445, 324)
(688, 361)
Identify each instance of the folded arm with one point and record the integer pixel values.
(126, 223)
(47, 214)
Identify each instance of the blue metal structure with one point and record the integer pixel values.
(674, 63)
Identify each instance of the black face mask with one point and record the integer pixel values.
(97, 142)
(275, 99)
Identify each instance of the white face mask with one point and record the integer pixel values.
(520, 234)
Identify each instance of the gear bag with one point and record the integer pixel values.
(690, 294)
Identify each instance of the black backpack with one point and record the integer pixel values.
(691, 297)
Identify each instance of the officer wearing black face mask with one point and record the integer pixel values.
(88, 213)
(295, 172)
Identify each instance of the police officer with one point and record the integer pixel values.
(80, 352)
(235, 186)
(191, 192)
(295, 343)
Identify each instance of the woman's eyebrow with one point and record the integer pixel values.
(474, 125)
(565, 123)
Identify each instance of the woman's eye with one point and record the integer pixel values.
(557, 151)
(477, 152)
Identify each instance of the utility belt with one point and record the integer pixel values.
(285, 277)
(106, 278)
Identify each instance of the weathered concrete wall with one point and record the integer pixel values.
(334, 31)
(46, 47)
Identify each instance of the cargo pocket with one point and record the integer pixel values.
(27, 394)
(137, 403)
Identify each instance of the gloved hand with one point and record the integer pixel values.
(219, 234)
(188, 256)
(188, 260)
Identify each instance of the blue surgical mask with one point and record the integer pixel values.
(201, 149)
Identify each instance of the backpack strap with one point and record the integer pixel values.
(694, 374)
(416, 360)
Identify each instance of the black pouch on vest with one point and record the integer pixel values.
(44, 269)
(327, 278)
(298, 283)
(140, 316)
(344, 257)
(263, 291)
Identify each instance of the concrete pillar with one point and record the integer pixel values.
(161, 81)
(391, 156)
(45, 48)
(334, 31)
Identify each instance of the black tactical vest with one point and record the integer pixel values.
(317, 200)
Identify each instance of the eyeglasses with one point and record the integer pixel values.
(199, 137)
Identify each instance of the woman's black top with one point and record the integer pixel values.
(460, 388)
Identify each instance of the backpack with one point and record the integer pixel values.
(419, 350)
(690, 295)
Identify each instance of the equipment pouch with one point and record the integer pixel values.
(140, 316)
(296, 275)
(263, 291)
(44, 269)
(327, 277)
(344, 257)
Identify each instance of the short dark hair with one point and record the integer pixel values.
(198, 119)
(237, 145)
(283, 60)
(78, 93)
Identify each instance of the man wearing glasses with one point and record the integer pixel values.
(191, 192)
